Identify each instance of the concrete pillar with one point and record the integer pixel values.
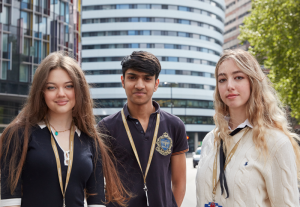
(196, 141)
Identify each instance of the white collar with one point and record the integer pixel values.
(42, 125)
(242, 125)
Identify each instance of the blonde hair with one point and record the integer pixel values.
(264, 109)
(15, 137)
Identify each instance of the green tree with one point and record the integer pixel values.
(273, 31)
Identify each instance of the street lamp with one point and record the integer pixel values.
(171, 86)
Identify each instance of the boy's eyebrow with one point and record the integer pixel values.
(146, 75)
(131, 73)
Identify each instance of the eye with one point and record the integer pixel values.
(131, 77)
(50, 88)
(148, 79)
(69, 86)
(239, 78)
(222, 80)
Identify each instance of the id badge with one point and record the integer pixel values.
(208, 205)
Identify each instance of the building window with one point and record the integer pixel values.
(165, 103)
(37, 22)
(204, 120)
(149, 19)
(231, 29)
(151, 6)
(105, 85)
(26, 50)
(168, 59)
(4, 70)
(24, 73)
(25, 4)
(164, 84)
(26, 21)
(45, 50)
(207, 120)
(152, 32)
(43, 26)
(187, 72)
(4, 16)
(5, 46)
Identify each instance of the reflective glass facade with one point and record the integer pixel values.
(178, 103)
(162, 72)
(155, 6)
(151, 33)
(150, 45)
(167, 59)
(29, 31)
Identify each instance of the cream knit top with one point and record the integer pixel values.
(253, 181)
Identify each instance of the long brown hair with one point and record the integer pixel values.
(14, 139)
(264, 109)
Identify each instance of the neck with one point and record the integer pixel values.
(237, 117)
(140, 112)
(60, 121)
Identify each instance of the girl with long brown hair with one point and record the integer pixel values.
(252, 157)
(51, 153)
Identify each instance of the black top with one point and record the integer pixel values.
(171, 140)
(39, 180)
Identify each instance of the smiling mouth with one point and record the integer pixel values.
(61, 102)
(232, 96)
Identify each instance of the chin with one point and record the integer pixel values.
(236, 106)
(62, 111)
(139, 101)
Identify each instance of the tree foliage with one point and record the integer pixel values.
(273, 31)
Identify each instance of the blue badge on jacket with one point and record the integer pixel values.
(164, 144)
(208, 205)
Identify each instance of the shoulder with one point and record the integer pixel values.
(275, 137)
(278, 142)
(110, 122)
(19, 131)
(110, 119)
(207, 147)
(208, 140)
(172, 119)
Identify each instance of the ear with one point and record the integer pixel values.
(123, 81)
(156, 85)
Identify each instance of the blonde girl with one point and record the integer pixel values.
(251, 158)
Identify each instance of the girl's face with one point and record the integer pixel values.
(233, 86)
(59, 92)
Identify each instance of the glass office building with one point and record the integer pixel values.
(187, 38)
(29, 31)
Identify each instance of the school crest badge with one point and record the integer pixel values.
(164, 144)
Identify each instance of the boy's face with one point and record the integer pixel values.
(139, 86)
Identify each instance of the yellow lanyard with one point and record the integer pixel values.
(58, 160)
(215, 180)
(135, 151)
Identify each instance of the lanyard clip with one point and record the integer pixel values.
(146, 189)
